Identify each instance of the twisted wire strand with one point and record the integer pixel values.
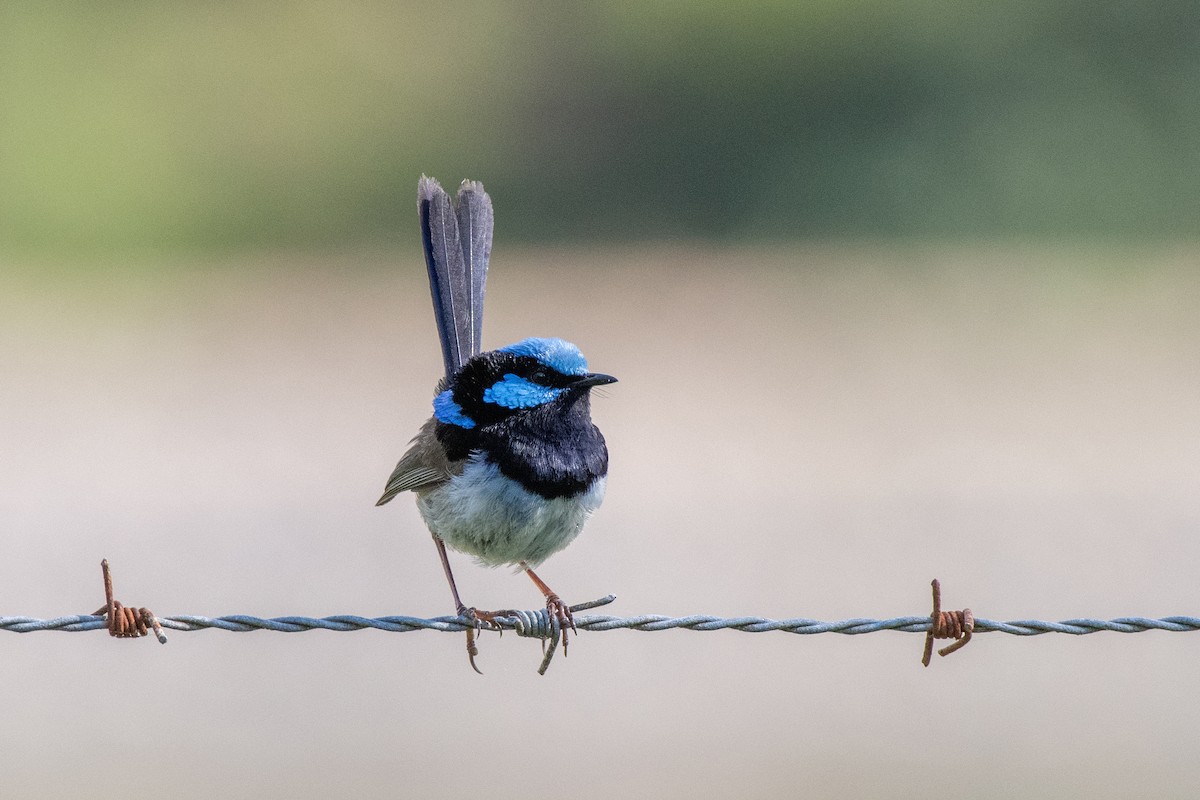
(535, 623)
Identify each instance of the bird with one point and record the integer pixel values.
(510, 466)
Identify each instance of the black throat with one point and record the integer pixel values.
(553, 450)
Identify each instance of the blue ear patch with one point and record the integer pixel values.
(513, 391)
(450, 412)
(556, 354)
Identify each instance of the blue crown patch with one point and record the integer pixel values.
(554, 353)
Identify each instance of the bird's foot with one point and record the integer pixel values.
(560, 611)
(482, 620)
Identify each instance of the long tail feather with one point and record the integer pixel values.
(457, 247)
(475, 222)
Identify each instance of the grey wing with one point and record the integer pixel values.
(425, 464)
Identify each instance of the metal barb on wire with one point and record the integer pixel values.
(541, 624)
(957, 625)
(124, 622)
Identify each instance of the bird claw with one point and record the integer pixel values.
(560, 611)
(482, 620)
(479, 621)
(472, 650)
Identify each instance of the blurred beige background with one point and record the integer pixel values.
(801, 432)
(843, 372)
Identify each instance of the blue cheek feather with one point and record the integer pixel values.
(450, 412)
(516, 392)
(561, 356)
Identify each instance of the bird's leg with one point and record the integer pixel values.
(481, 619)
(554, 605)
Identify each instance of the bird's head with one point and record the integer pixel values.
(512, 380)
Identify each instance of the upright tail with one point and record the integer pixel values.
(458, 244)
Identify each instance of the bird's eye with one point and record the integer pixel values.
(540, 376)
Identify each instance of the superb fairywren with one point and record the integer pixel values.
(510, 466)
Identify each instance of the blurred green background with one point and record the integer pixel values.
(135, 128)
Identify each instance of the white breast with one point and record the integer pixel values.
(495, 519)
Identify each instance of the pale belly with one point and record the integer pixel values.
(495, 519)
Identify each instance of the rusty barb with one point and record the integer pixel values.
(957, 625)
(125, 622)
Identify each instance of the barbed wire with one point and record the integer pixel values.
(126, 622)
(244, 623)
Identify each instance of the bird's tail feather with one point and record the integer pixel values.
(458, 244)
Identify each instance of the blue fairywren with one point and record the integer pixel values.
(510, 466)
